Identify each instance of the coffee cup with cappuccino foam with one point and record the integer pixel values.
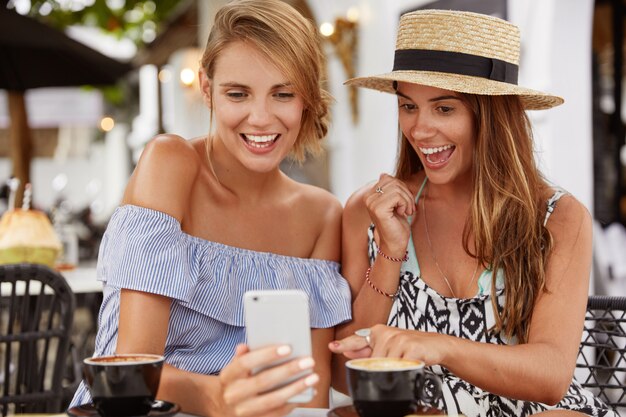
(123, 384)
(389, 387)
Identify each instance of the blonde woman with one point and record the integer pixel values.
(467, 258)
(207, 219)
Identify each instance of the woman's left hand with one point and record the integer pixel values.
(391, 342)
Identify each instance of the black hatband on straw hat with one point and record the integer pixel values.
(455, 63)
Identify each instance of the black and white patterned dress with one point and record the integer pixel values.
(421, 308)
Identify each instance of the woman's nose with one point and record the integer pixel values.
(260, 113)
(422, 127)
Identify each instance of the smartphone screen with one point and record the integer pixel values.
(280, 317)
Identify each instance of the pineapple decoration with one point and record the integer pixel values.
(27, 235)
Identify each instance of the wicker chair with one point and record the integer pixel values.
(601, 362)
(36, 313)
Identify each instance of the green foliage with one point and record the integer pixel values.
(135, 19)
(138, 20)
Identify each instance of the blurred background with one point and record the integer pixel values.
(77, 141)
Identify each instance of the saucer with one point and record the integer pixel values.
(159, 409)
(349, 411)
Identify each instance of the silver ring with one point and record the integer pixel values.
(365, 333)
(379, 190)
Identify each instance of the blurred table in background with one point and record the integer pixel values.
(82, 279)
(298, 412)
(88, 292)
(309, 412)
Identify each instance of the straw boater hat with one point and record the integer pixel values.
(458, 51)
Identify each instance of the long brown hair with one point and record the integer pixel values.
(507, 208)
(289, 41)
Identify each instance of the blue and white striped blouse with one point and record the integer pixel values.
(146, 250)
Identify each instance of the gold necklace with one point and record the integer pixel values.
(432, 252)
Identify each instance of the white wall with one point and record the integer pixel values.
(184, 111)
(359, 153)
(556, 57)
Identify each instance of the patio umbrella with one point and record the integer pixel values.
(34, 55)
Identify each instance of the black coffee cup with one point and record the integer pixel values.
(123, 385)
(389, 387)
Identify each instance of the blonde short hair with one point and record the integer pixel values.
(290, 41)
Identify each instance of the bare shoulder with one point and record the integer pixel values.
(570, 223)
(164, 175)
(569, 261)
(318, 202)
(568, 212)
(170, 149)
(319, 216)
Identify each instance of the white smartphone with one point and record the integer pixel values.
(280, 317)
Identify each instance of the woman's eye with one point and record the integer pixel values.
(408, 106)
(284, 95)
(236, 95)
(445, 109)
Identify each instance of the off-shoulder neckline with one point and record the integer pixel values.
(218, 245)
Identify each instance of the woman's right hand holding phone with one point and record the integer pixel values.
(245, 394)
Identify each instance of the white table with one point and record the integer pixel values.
(309, 412)
(82, 280)
(298, 412)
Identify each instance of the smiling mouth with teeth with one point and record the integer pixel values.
(438, 155)
(260, 141)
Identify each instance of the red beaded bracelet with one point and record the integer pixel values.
(391, 258)
(375, 288)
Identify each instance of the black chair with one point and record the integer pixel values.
(601, 362)
(36, 313)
